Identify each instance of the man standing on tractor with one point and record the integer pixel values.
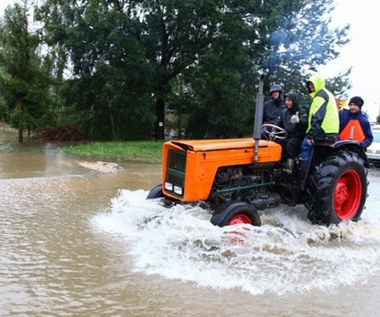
(273, 107)
(323, 121)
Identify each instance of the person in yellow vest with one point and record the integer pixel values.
(323, 122)
(354, 125)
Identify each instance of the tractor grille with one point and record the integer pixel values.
(177, 160)
(175, 172)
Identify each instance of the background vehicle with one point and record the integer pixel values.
(237, 177)
(373, 151)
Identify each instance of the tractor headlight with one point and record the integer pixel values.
(169, 186)
(174, 188)
(178, 190)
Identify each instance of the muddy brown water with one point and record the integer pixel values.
(77, 242)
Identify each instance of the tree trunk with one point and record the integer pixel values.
(160, 119)
(112, 125)
(20, 136)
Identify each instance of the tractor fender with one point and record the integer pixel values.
(320, 151)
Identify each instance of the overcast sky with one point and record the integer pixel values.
(362, 53)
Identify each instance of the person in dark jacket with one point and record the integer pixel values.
(273, 107)
(348, 123)
(293, 119)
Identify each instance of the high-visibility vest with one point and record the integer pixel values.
(352, 131)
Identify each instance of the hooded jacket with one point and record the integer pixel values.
(323, 114)
(294, 129)
(273, 107)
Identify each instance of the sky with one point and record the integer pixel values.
(361, 54)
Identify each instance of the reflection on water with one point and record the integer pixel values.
(75, 242)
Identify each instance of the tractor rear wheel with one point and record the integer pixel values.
(337, 189)
(233, 213)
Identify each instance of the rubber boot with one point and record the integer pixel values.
(289, 166)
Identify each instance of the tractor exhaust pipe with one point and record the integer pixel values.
(259, 111)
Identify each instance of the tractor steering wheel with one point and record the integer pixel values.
(273, 132)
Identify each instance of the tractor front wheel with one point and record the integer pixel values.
(156, 192)
(233, 213)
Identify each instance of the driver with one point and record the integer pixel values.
(293, 119)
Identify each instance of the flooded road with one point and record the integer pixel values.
(76, 242)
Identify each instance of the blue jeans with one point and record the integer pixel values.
(305, 151)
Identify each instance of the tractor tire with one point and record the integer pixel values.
(337, 189)
(156, 192)
(233, 213)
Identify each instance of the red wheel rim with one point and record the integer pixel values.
(240, 219)
(347, 195)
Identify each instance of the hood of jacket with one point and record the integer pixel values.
(318, 82)
(293, 96)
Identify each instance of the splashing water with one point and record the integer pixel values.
(285, 255)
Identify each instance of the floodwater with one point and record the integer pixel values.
(77, 242)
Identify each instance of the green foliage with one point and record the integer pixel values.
(20, 119)
(23, 83)
(131, 60)
(224, 98)
(110, 93)
(303, 41)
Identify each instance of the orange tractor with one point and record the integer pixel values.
(235, 178)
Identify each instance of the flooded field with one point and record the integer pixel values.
(79, 242)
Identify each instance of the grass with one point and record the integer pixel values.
(139, 151)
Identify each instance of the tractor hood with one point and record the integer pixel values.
(219, 144)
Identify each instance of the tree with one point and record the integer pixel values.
(302, 42)
(177, 35)
(129, 56)
(23, 84)
(289, 40)
(108, 87)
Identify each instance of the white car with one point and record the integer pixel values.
(373, 151)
